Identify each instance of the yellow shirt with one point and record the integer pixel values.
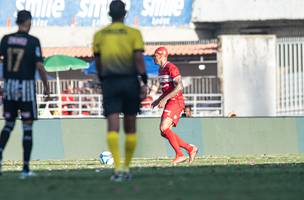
(116, 44)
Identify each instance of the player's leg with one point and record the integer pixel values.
(165, 128)
(167, 121)
(112, 105)
(130, 143)
(180, 141)
(10, 114)
(113, 139)
(5, 134)
(191, 149)
(130, 139)
(131, 102)
(27, 143)
(28, 115)
(176, 111)
(113, 144)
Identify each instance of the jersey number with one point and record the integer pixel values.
(14, 57)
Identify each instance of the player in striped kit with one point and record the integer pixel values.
(21, 57)
(172, 101)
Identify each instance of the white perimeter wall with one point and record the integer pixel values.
(247, 70)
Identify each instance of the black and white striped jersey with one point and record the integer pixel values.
(20, 52)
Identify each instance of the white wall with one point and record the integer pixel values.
(82, 37)
(234, 10)
(247, 71)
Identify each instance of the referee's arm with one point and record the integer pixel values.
(43, 76)
(2, 47)
(40, 67)
(97, 55)
(141, 69)
(138, 47)
(98, 65)
(139, 62)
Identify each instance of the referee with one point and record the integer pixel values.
(118, 51)
(21, 57)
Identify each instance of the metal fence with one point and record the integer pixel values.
(201, 93)
(192, 85)
(75, 83)
(290, 76)
(90, 105)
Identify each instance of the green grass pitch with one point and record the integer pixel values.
(220, 178)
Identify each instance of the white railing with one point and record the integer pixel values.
(290, 76)
(205, 104)
(90, 106)
(70, 106)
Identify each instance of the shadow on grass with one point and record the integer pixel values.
(260, 181)
(172, 170)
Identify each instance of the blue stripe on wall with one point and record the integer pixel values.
(300, 128)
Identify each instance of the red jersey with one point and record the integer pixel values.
(166, 76)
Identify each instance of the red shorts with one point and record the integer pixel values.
(173, 110)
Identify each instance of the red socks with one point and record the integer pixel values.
(182, 143)
(173, 141)
(176, 142)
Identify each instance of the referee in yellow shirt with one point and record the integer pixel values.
(118, 51)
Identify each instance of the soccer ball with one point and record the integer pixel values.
(106, 158)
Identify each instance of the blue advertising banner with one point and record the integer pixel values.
(91, 13)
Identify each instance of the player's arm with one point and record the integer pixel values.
(97, 55)
(40, 67)
(98, 65)
(156, 102)
(1, 54)
(141, 69)
(139, 62)
(178, 87)
(2, 46)
(43, 76)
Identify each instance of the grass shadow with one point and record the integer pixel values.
(231, 181)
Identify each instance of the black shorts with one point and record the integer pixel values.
(28, 110)
(121, 95)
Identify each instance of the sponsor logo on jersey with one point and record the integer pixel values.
(17, 41)
(37, 52)
(165, 78)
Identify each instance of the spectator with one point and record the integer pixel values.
(67, 101)
(53, 105)
(86, 101)
(187, 111)
(231, 114)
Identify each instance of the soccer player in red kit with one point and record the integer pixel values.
(172, 101)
